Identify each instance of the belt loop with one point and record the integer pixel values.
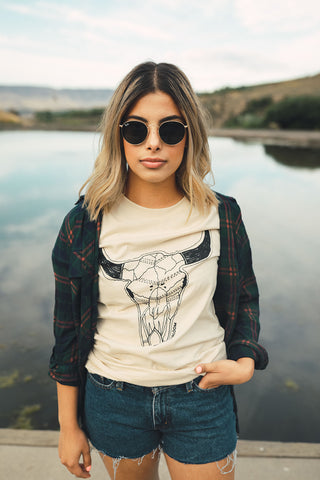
(189, 386)
(119, 386)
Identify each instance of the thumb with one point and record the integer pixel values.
(204, 368)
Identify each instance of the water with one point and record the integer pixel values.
(278, 191)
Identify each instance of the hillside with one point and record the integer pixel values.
(230, 102)
(9, 120)
(24, 99)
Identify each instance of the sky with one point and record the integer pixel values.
(217, 43)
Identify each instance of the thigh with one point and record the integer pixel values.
(223, 469)
(201, 425)
(145, 468)
(118, 419)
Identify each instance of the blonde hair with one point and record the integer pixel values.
(108, 180)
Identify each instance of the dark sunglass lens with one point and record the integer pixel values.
(134, 132)
(172, 132)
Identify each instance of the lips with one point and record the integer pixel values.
(152, 162)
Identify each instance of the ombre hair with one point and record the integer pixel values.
(108, 180)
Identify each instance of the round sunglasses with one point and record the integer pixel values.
(135, 132)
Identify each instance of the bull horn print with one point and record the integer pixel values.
(198, 253)
(193, 255)
(114, 270)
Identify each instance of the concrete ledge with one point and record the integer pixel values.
(246, 448)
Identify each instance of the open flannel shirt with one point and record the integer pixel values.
(75, 263)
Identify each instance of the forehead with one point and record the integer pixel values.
(155, 106)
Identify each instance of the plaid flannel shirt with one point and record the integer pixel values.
(75, 263)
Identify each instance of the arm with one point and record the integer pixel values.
(244, 352)
(72, 441)
(244, 340)
(63, 361)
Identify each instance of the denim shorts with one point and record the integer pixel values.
(190, 424)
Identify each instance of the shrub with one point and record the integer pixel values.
(45, 116)
(258, 104)
(296, 113)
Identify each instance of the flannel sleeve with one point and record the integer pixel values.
(244, 341)
(64, 359)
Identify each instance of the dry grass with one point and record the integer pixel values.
(8, 117)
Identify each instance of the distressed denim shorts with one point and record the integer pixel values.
(190, 424)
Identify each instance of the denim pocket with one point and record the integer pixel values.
(101, 382)
(219, 389)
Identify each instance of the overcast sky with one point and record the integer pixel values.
(94, 43)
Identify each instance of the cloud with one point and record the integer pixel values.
(36, 227)
(211, 68)
(110, 24)
(217, 43)
(301, 53)
(55, 70)
(266, 16)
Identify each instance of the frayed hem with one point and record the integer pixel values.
(227, 467)
(230, 464)
(117, 460)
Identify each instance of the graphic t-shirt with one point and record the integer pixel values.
(157, 277)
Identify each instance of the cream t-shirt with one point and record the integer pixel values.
(157, 277)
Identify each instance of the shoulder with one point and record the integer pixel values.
(73, 222)
(78, 212)
(228, 207)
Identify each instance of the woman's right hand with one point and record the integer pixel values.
(72, 444)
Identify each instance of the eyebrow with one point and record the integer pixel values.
(164, 119)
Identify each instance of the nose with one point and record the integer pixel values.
(153, 139)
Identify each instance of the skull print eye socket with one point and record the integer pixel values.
(135, 132)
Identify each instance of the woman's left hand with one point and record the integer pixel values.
(225, 372)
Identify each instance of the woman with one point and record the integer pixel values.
(156, 312)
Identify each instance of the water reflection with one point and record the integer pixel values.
(40, 174)
(294, 157)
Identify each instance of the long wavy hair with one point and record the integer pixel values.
(108, 179)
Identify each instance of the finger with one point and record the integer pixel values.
(85, 472)
(87, 460)
(78, 471)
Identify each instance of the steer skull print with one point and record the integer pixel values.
(155, 282)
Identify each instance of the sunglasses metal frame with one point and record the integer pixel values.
(121, 125)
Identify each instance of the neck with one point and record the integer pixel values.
(153, 195)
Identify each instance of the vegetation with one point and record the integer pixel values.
(293, 113)
(7, 381)
(24, 420)
(297, 113)
(69, 120)
(10, 119)
(246, 107)
(253, 115)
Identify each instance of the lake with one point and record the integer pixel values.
(278, 189)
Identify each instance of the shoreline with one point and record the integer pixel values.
(285, 138)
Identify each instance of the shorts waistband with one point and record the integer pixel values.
(122, 385)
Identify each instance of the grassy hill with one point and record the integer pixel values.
(227, 104)
(10, 120)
